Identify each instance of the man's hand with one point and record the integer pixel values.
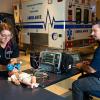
(88, 69)
(86, 62)
(85, 67)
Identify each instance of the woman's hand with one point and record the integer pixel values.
(13, 72)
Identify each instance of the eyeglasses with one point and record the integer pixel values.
(4, 35)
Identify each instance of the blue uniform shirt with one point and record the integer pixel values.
(96, 62)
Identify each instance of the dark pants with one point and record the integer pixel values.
(82, 87)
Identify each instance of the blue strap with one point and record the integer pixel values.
(10, 67)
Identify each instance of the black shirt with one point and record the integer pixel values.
(10, 51)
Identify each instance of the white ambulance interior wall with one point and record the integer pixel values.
(57, 10)
(47, 15)
(6, 6)
(30, 9)
(24, 37)
(33, 8)
(53, 10)
(82, 34)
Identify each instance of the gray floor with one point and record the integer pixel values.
(68, 96)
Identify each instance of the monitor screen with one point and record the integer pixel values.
(47, 58)
(50, 61)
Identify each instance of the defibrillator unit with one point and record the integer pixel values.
(57, 62)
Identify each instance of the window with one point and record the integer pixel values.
(78, 15)
(70, 15)
(83, 1)
(86, 16)
(59, 0)
(76, 1)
